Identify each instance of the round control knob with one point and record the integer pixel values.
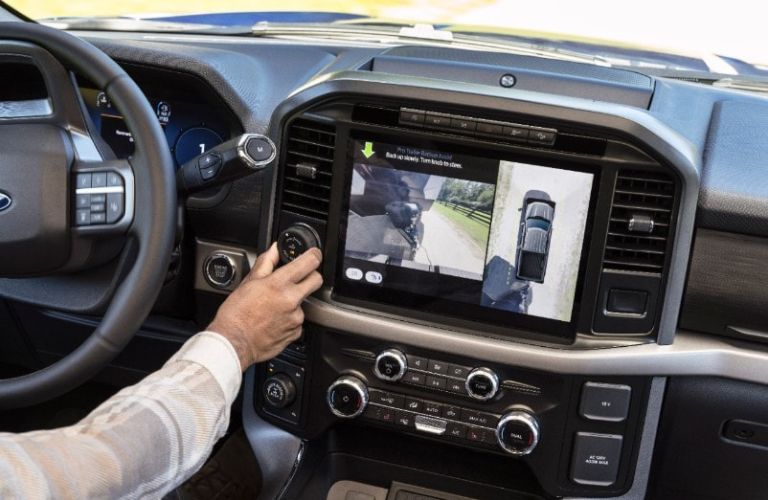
(390, 365)
(347, 397)
(482, 384)
(279, 390)
(219, 270)
(296, 240)
(518, 432)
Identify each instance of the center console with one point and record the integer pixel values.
(454, 224)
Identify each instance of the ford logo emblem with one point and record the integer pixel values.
(5, 201)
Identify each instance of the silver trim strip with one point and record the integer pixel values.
(430, 425)
(100, 190)
(691, 354)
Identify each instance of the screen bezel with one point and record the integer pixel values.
(362, 293)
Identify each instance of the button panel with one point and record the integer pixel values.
(437, 419)
(99, 198)
(467, 125)
(436, 374)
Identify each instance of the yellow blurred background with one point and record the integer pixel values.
(734, 28)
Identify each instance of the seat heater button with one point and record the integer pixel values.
(596, 458)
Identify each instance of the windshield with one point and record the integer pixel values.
(733, 30)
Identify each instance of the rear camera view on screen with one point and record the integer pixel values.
(420, 221)
(498, 234)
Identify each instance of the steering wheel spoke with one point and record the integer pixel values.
(102, 197)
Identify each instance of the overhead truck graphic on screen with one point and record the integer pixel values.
(535, 233)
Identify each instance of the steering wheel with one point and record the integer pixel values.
(53, 183)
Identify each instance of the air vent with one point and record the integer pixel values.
(639, 228)
(308, 169)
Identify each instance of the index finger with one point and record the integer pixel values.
(300, 268)
(266, 263)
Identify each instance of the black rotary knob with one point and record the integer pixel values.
(390, 365)
(518, 432)
(482, 383)
(347, 397)
(279, 390)
(296, 240)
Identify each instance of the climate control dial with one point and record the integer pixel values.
(390, 365)
(518, 432)
(482, 383)
(347, 397)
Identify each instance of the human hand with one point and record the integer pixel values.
(263, 315)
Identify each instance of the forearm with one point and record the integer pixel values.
(145, 440)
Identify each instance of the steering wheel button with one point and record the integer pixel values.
(83, 200)
(98, 198)
(115, 207)
(83, 217)
(114, 179)
(97, 207)
(98, 218)
(83, 181)
(99, 179)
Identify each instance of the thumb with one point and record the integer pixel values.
(266, 263)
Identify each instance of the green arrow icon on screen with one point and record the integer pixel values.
(368, 150)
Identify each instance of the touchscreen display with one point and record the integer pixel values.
(492, 233)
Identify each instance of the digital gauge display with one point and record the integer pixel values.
(191, 128)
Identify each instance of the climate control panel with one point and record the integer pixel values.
(516, 432)
(578, 434)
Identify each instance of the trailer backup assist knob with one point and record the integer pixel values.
(296, 240)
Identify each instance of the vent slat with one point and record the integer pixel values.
(310, 156)
(639, 194)
(308, 142)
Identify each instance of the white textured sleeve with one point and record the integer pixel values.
(142, 442)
